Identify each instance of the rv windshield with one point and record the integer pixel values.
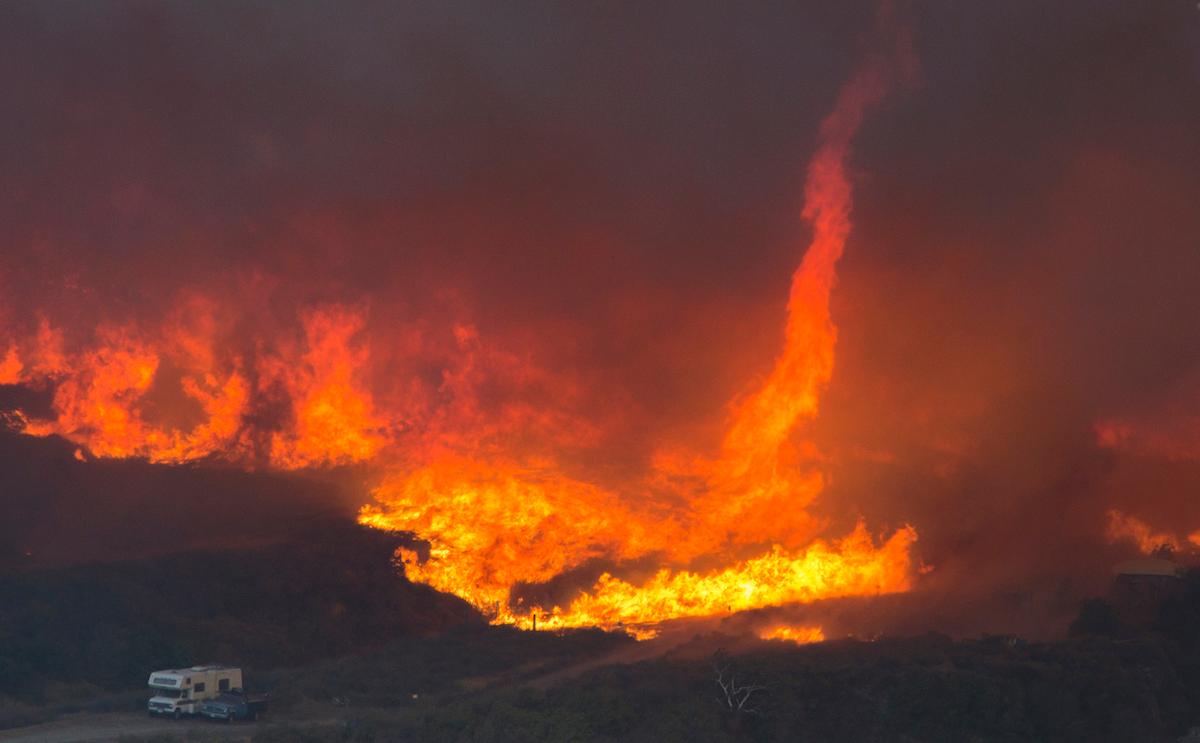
(168, 693)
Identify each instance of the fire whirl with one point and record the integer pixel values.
(493, 523)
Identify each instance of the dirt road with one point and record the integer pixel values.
(110, 727)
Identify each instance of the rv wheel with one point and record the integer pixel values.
(176, 715)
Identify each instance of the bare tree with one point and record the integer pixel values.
(735, 695)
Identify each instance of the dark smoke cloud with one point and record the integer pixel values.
(613, 192)
(1024, 265)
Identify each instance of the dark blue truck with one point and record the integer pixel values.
(235, 705)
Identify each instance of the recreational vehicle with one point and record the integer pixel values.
(181, 691)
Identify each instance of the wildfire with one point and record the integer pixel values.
(334, 416)
(801, 635)
(493, 524)
(851, 566)
(108, 397)
(726, 531)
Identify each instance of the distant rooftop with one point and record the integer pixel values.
(195, 669)
(1148, 566)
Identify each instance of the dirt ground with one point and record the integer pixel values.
(94, 728)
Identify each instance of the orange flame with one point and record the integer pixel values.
(801, 635)
(107, 397)
(334, 416)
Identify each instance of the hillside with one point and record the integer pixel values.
(328, 591)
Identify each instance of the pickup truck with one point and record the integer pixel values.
(235, 705)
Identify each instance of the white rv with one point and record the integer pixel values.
(180, 691)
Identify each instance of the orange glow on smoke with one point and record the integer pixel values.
(725, 531)
(801, 635)
(1172, 436)
(1122, 527)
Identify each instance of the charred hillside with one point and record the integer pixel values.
(61, 507)
(322, 593)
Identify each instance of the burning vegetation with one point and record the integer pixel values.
(551, 348)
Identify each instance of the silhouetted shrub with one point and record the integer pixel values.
(1098, 618)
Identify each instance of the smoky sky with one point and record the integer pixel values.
(1043, 253)
(615, 187)
(614, 190)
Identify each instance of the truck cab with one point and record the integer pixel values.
(182, 691)
(235, 705)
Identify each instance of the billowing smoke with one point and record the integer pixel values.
(311, 237)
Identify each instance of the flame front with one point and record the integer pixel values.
(106, 397)
(724, 531)
(801, 635)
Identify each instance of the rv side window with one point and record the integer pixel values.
(199, 688)
(223, 685)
